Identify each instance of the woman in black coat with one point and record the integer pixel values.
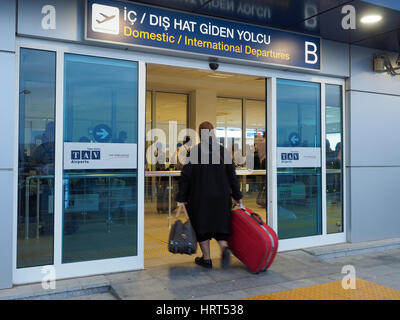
(206, 187)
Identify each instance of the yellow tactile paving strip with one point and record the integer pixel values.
(365, 290)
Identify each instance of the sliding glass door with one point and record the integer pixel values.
(308, 162)
(100, 158)
(299, 159)
(79, 171)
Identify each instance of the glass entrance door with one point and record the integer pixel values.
(307, 177)
(100, 158)
(80, 177)
(299, 187)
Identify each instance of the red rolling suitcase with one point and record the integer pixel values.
(252, 241)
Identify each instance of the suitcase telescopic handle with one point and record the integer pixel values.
(253, 215)
(257, 218)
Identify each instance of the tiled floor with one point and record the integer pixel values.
(156, 243)
(156, 232)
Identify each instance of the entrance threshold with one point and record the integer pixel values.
(351, 249)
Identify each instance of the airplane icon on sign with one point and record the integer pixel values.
(106, 18)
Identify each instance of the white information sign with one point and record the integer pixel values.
(79, 155)
(298, 157)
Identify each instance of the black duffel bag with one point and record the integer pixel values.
(182, 238)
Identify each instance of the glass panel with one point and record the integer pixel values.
(100, 96)
(298, 112)
(100, 206)
(229, 126)
(334, 167)
(159, 199)
(148, 110)
(299, 189)
(148, 122)
(171, 107)
(255, 122)
(36, 158)
(253, 188)
(299, 202)
(254, 183)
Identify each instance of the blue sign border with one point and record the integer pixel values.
(271, 46)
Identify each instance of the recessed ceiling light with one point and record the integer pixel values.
(219, 76)
(371, 19)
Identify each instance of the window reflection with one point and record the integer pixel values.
(170, 107)
(255, 133)
(229, 127)
(299, 202)
(299, 188)
(298, 112)
(36, 158)
(334, 168)
(254, 187)
(100, 206)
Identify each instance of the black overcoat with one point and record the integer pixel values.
(208, 190)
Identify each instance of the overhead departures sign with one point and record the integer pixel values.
(139, 25)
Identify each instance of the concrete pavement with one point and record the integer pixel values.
(290, 270)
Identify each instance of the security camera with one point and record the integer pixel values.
(213, 66)
(382, 62)
(379, 63)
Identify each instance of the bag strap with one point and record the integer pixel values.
(180, 208)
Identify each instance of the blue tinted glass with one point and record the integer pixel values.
(334, 162)
(36, 156)
(299, 189)
(100, 205)
(299, 202)
(99, 94)
(298, 114)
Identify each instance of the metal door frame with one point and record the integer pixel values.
(122, 264)
(86, 268)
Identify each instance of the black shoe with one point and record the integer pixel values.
(226, 258)
(204, 263)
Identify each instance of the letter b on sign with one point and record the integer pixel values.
(311, 52)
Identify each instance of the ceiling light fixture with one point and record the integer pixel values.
(220, 75)
(371, 19)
